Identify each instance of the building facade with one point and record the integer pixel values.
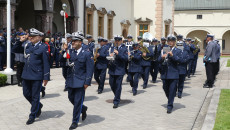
(196, 18)
(103, 17)
(123, 17)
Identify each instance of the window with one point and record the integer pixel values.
(166, 30)
(100, 26)
(223, 44)
(89, 26)
(199, 16)
(143, 28)
(110, 28)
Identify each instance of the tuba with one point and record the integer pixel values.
(143, 48)
(196, 42)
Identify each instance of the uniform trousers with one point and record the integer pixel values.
(145, 74)
(133, 80)
(169, 86)
(76, 97)
(31, 91)
(99, 76)
(180, 85)
(154, 70)
(115, 82)
(210, 73)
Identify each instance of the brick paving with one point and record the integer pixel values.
(146, 111)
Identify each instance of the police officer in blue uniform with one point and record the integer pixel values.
(52, 52)
(146, 62)
(210, 59)
(182, 66)
(129, 42)
(170, 71)
(117, 69)
(160, 48)
(101, 64)
(154, 63)
(64, 63)
(139, 38)
(57, 45)
(91, 44)
(79, 77)
(18, 49)
(135, 58)
(191, 56)
(36, 71)
(2, 49)
(218, 53)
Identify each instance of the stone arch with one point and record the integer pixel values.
(201, 34)
(226, 42)
(195, 29)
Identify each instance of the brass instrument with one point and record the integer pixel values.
(95, 51)
(196, 42)
(95, 55)
(144, 49)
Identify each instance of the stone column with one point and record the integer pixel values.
(43, 21)
(3, 21)
(159, 19)
(71, 24)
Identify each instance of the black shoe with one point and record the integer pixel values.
(65, 89)
(193, 73)
(115, 106)
(19, 84)
(73, 126)
(84, 114)
(154, 81)
(134, 93)
(30, 121)
(188, 76)
(144, 86)
(169, 111)
(100, 92)
(179, 96)
(39, 111)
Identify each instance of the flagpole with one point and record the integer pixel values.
(8, 69)
(64, 6)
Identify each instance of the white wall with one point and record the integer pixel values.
(216, 22)
(145, 8)
(167, 14)
(122, 9)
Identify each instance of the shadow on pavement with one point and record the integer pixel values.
(51, 114)
(176, 106)
(90, 98)
(52, 95)
(92, 119)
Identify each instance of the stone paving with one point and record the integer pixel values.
(146, 111)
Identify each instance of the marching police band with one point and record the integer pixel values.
(81, 59)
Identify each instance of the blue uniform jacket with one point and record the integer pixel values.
(91, 46)
(52, 49)
(192, 48)
(37, 63)
(102, 62)
(183, 62)
(81, 73)
(117, 67)
(135, 62)
(18, 47)
(171, 70)
(2, 44)
(151, 54)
